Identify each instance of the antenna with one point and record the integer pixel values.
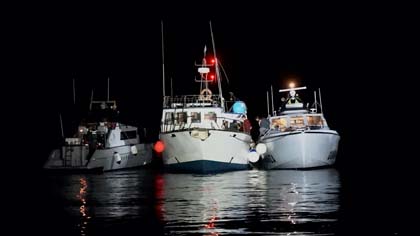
(224, 72)
(107, 97)
(163, 61)
(316, 103)
(291, 89)
(74, 92)
(206, 82)
(268, 104)
(61, 125)
(320, 100)
(91, 99)
(217, 68)
(172, 91)
(272, 99)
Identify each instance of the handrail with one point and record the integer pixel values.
(191, 101)
(187, 125)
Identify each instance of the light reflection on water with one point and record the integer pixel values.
(281, 202)
(84, 217)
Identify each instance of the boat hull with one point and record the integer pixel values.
(102, 159)
(218, 151)
(300, 150)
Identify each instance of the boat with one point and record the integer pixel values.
(101, 143)
(298, 137)
(199, 133)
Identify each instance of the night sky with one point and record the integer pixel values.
(358, 54)
(351, 52)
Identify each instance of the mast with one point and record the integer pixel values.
(172, 90)
(74, 92)
(203, 70)
(224, 71)
(268, 105)
(219, 84)
(205, 81)
(320, 100)
(272, 100)
(61, 125)
(316, 103)
(163, 62)
(107, 92)
(91, 99)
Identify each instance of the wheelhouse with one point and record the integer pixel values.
(298, 121)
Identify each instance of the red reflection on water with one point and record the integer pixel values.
(211, 225)
(159, 196)
(212, 221)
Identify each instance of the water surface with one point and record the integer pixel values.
(141, 202)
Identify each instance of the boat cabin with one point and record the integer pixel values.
(185, 113)
(101, 130)
(293, 122)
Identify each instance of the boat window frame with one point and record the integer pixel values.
(294, 126)
(169, 118)
(274, 125)
(195, 117)
(210, 116)
(177, 118)
(125, 135)
(320, 123)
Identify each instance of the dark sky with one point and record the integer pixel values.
(259, 47)
(360, 55)
(356, 53)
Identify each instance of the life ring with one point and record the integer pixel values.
(205, 95)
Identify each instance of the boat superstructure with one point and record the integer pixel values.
(101, 143)
(200, 133)
(299, 136)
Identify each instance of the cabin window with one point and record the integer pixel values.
(279, 123)
(315, 121)
(128, 135)
(195, 117)
(169, 118)
(235, 125)
(210, 116)
(180, 118)
(297, 122)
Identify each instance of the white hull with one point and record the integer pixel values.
(102, 159)
(221, 151)
(300, 149)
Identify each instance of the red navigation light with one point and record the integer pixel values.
(159, 146)
(211, 77)
(212, 61)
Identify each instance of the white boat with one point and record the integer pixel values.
(199, 134)
(101, 144)
(298, 137)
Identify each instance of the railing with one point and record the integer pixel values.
(191, 101)
(236, 125)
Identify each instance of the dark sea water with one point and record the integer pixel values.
(145, 202)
